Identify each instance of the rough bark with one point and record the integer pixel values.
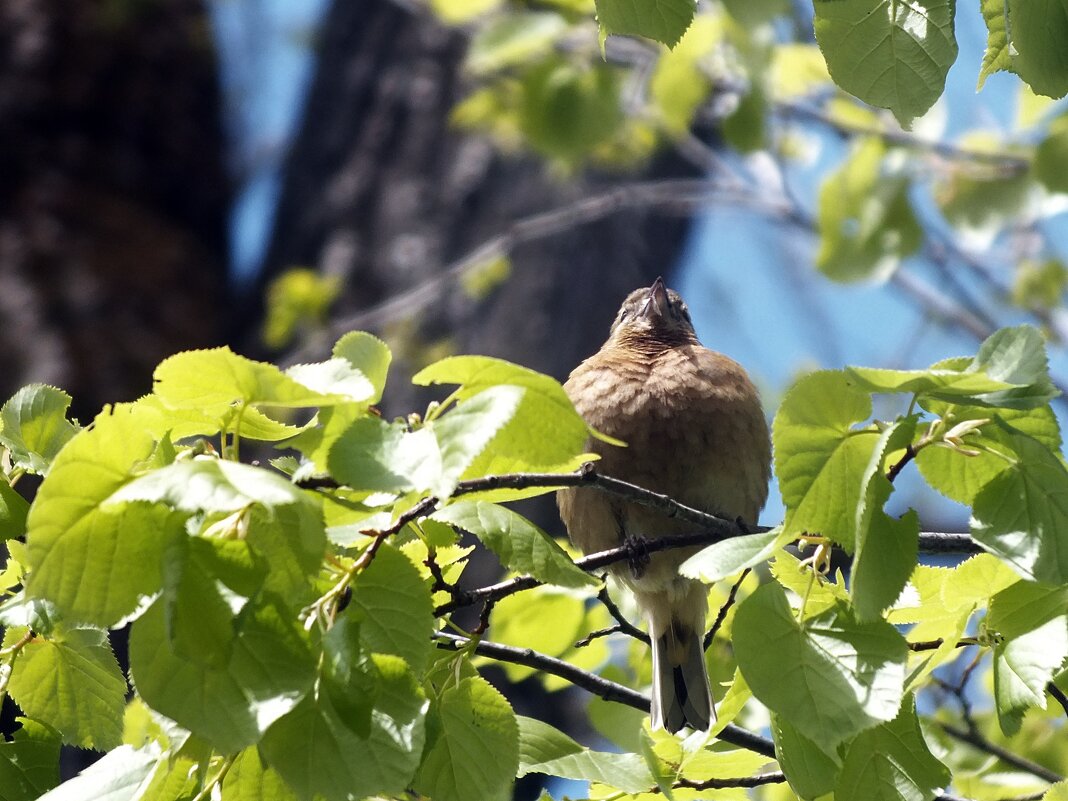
(114, 198)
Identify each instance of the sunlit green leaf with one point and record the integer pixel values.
(34, 426)
(29, 762)
(830, 678)
(819, 458)
(1024, 665)
(249, 779)
(317, 754)
(368, 354)
(865, 220)
(997, 56)
(512, 40)
(1021, 515)
(475, 752)
(270, 668)
(663, 20)
(73, 682)
(568, 109)
(544, 749)
(1036, 29)
(809, 769)
(518, 543)
(117, 775)
(891, 762)
(890, 54)
(13, 511)
(395, 606)
(732, 555)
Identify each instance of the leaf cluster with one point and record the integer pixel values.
(283, 617)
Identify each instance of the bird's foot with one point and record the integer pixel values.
(741, 525)
(639, 554)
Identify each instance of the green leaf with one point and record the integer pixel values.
(679, 84)
(544, 749)
(73, 682)
(298, 298)
(211, 485)
(334, 377)
(476, 751)
(397, 613)
(34, 426)
(519, 620)
(214, 380)
(348, 676)
(518, 543)
(464, 432)
(29, 763)
(1021, 515)
(661, 20)
(270, 668)
(97, 565)
(206, 581)
(997, 56)
(1024, 665)
(819, 458)
(316, 753)
(512, 40)
(865, 220)
(961, 476)
(746, 128)
(114, 777)
(731, 556)
(1037, 28)
(891, 763)
(1050, 166)
(831, 678)
(950, 385)
(1016, 356)
(891, 54)
(569, 109)
(13, 511)
(546, 434)
(249, 779)
(882, 568)
(369, 355)
(1025, 606)
(373, 455)
(810, 771)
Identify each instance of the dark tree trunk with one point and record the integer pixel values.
(114, 198)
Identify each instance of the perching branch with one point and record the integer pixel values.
(603, 688)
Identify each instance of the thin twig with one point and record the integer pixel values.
(710, 636)
(980, 742)
(597, 634)
(774, 777)
(603, 688)
(1059, 695)
(622, 624)
(931, 645)
(899, 465)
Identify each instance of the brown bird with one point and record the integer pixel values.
(695, 430)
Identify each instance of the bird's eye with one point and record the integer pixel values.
(623, 315)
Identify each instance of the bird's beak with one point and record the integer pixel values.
(657, 304)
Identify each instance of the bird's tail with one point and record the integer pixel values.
(681, 696)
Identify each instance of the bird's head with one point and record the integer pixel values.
(654, 315)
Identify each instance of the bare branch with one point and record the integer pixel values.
(711, 635)
(603, 688)
(1059, 695)
(980, 742)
